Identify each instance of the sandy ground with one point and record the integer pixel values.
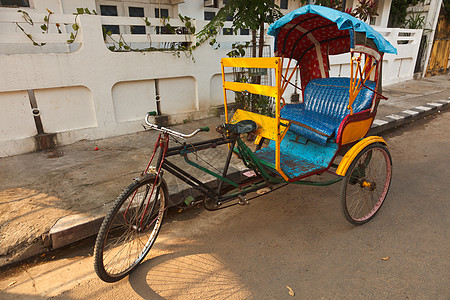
(38, 189)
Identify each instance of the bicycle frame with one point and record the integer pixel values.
(222, 194)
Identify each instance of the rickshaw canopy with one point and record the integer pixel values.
(311, 33)
(323, 24)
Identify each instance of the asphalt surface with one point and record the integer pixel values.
(294, 238)
(54, 198)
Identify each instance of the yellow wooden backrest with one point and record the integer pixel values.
(271, 128)
(254, 62)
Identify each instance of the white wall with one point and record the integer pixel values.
(94, 93)
(193, 9)
(70, 6)
(384, 7)
(91, 93)
(396, 68)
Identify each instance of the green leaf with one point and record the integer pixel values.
(80, 10)
(75, 27)
(112, 48)
(44, 27)
(126, 47)
(69, 41)
(45, 19)
(72, 36)
(94, 11)
(86, 10)
(109, 32)
(120, 44)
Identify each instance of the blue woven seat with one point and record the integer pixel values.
(324, 108)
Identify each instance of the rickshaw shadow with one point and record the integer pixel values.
(194, 268)
(186, 274)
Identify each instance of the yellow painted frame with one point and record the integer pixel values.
(356, 84)
(355, 130)
(270, 91)
(354, 151)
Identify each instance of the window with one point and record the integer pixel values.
(227, 31)
(284, 4)
(162, 13)
(245, 31)
(110, 10)
(209, 15)
(16, 3)
(136, 12)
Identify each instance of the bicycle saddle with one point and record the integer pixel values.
(243, 126)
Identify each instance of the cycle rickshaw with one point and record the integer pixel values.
(305, 139)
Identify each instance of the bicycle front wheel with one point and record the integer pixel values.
(366, 184)
(130, 229)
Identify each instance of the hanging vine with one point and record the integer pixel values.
(119, 44)
(28, 20)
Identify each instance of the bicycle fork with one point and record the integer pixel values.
(139, 225)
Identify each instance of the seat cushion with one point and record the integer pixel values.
(325, 106)
(311, 125)
(243, 126)
(330, 96)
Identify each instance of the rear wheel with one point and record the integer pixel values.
(366, 184)
(130, 229)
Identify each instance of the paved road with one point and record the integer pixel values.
(295, 237)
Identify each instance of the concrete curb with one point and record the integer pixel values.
(406, 116)
(74, 228)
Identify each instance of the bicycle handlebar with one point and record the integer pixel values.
(170, 131)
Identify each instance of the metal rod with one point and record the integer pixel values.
(198, 146)
(227, 164)
(209, 171)
(35, 111)
(186, 177)
(158, 98)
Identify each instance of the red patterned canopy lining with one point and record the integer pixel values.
(309, 39)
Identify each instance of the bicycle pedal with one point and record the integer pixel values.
(243, 200)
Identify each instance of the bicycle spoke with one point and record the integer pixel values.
(122, 242)
(371, 171)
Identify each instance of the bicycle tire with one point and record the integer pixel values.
(366, 180)
(126, 220)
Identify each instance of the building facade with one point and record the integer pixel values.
(61, 92)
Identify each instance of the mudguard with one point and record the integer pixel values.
(354, 151)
